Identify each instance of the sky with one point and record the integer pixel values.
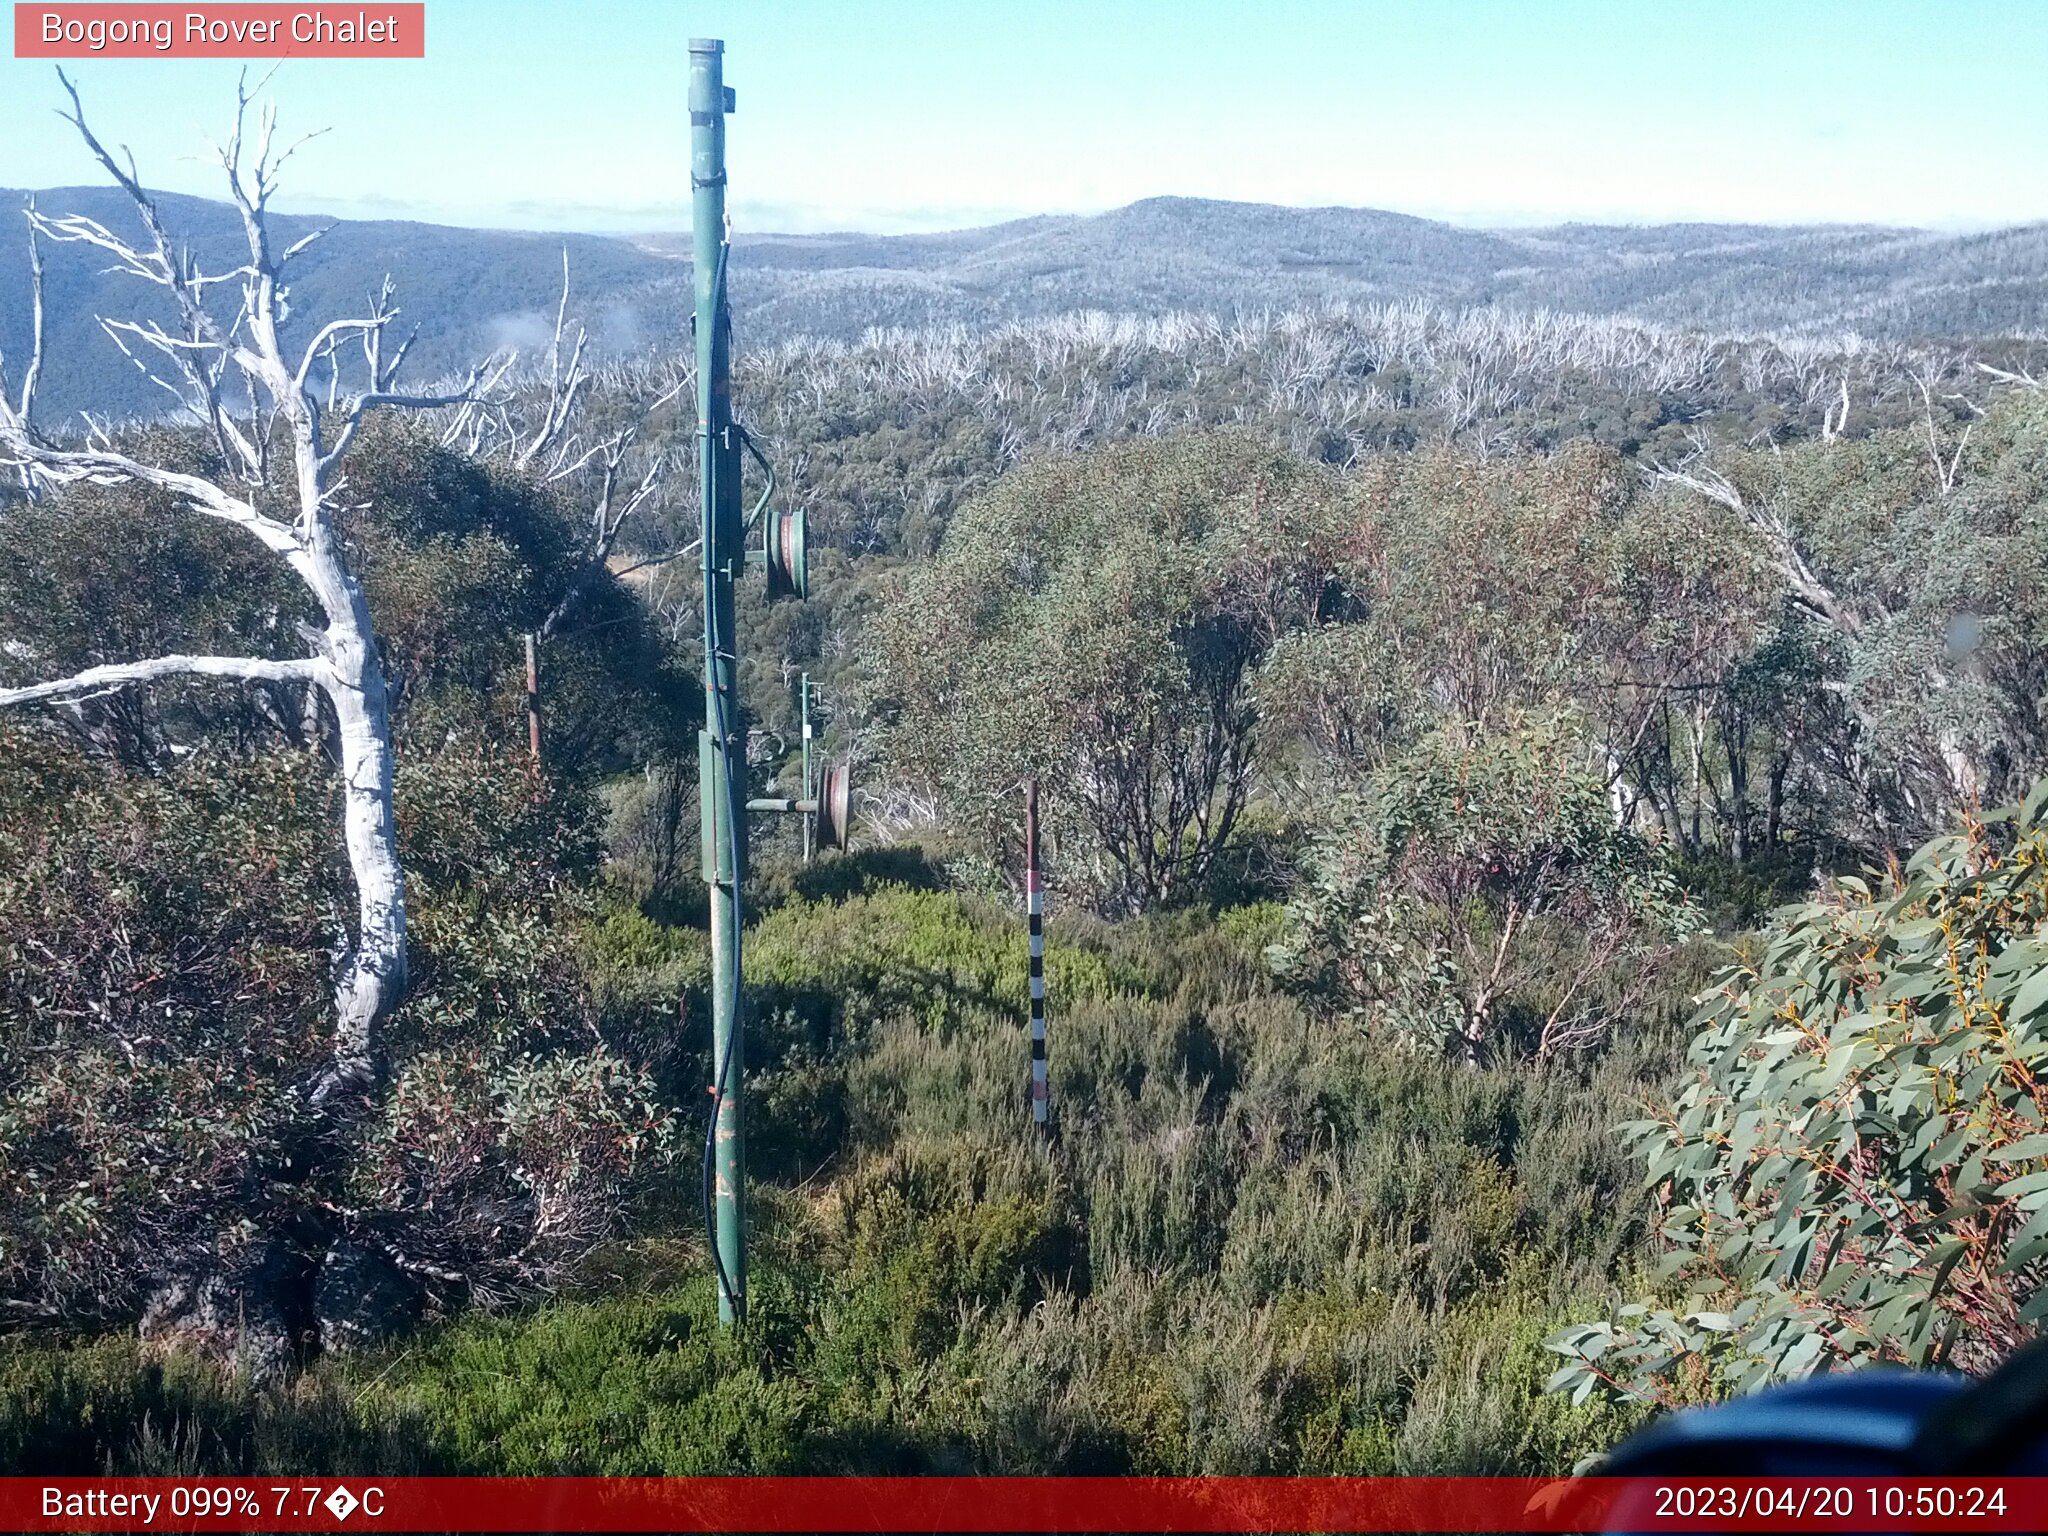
(893, 115)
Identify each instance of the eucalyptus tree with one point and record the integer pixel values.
(277, 423)
(1098, 620)
(1477, 888)
(1913, 558)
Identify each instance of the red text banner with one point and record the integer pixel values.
(242, 31)
(1000, 1504)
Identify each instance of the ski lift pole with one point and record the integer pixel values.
(720, 756)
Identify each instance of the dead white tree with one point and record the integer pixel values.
(1833, 425)
(532, 427)
(1961, 778)
(2022, 379)
(270, 419)
(1945, 468)
(613, 506)
(1801, 580)
(26, 405)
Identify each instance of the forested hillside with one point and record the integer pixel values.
(1518, 788)
(475, 290)
(1188, 253)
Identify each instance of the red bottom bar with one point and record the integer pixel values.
(1005, 1504)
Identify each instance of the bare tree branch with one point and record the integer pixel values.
(35, 352)
(562, 386)
(2022, 378)
(362, 405)
(248, 669)
(107, 466)
(170, 269)
(23, 409)
(1806, 586)
(606, 519)
(328, 337)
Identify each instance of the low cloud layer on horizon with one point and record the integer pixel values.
(792, 217)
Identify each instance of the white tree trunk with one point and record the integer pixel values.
(374, 980)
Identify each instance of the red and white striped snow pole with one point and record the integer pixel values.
(1034, 907)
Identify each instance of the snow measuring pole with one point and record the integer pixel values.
(810, 822)
(722, 744)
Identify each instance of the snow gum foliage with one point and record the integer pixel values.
(1098, 621)
(1478, 894)
(1855, 1168)
(148, 1076)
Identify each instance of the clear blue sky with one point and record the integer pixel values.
(899, 114)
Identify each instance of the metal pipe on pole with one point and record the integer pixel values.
(721, 745)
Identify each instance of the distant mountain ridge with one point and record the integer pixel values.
(474, 290)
